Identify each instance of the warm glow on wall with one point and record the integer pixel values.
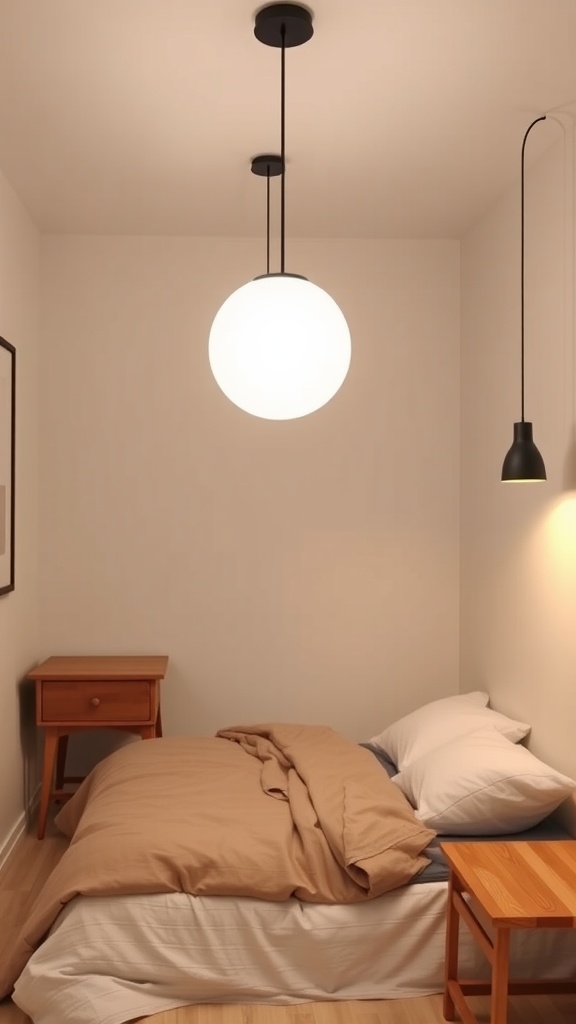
(548, 572)
(560, 532)
(554, 575)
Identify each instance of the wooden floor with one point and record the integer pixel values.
(31, 862)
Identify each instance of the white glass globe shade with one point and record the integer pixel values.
(279, 347)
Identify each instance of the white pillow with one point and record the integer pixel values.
(437, 723)
(482, 784)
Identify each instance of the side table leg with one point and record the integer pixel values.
(61, 761)
(499, 999)
(50, 750)
(451, 959)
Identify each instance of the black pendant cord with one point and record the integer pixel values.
(282, 146)
(267, 165)
(268, 219)
(283, 25)
(528, 130)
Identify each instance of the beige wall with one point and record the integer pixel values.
(518, 555)
(342, 568)
(19, 609)
(304, 570)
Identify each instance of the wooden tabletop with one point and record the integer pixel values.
(519, 884)
(86, 668)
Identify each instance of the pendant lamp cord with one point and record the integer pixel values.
(282, 145)
(528, 130)
(268, 218)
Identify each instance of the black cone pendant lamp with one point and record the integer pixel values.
(279, 346)
(523, 462)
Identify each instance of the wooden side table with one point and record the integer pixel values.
(509, 885)
(78, 693)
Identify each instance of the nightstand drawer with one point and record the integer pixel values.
(100, 701)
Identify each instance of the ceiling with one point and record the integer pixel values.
(404, 117)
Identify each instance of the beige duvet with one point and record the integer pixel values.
(269, 811)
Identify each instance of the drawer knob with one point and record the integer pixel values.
(95, 702)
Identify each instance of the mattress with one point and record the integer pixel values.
(109, 959)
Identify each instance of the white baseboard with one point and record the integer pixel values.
(19, 828)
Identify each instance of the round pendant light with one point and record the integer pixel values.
(279, 346)
(523, 462)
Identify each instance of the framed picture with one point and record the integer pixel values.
(7, 463)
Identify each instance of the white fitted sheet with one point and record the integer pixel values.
(108, 959)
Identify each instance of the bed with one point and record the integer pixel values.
(132, 922)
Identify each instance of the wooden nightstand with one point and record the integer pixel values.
(508, 885)
(78, 693)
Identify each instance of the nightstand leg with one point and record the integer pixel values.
(499, 1000)
(451, 959)
(159, 722)
(61, 761)
(50, 750)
